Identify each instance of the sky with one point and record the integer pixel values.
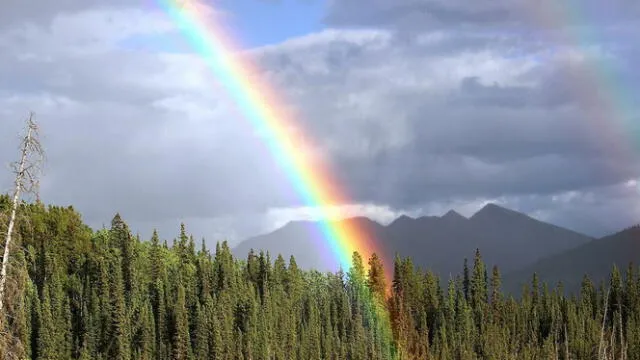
(420, 106)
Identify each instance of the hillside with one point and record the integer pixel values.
(305, 241)
(505, 237)
(76, 293)
(595, 259)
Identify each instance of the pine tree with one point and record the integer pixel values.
(376, 277)
(121, 238)
(466, 280)
(201, 343)
(496, 292)
(478, 283)
(119, 348)
(181, 341)
(74, 305)
(144, 336)
(47, 339)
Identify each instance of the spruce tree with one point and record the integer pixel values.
(466, 280)
(121, 238)
(188, 305)
(496, 292)
(119, 343)
(376, 277)
(181, 343)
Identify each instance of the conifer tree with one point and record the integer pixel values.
(47, 339)
(121, 238)
(496, 291)
(181, 343)
(220, 307)
(466, 280)
(119, 343)
(200, 343)
(376, 277)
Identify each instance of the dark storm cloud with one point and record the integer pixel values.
(406, 141)
(405, 121)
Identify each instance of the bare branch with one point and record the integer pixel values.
(26, 171)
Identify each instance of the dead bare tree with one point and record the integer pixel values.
(604, 321)
(612, 343)
(26, 171)
(623, 347)
(566, 343)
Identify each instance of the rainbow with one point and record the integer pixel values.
(608, 104)
(309, 175)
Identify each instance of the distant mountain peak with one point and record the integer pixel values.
(295, 223)
(506, 238)
(453, 215)
(402, 220)
(357, 218)
(493, 207)
(317, 222)
(492, 210)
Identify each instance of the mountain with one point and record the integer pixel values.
(510, 239)
(505, 237)
(306, 241)
(514, 239)
(595, 259)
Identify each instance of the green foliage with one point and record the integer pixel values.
(80, 294)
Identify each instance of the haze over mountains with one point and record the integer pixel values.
(510, 239)
(594, 259)
(519, 244)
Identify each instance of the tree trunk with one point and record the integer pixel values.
(14, 210)
(604, 320)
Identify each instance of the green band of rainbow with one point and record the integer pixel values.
(261, 107)
(610, 116)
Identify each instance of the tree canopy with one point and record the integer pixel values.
(76, 293)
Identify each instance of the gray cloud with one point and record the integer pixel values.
(39, 12)
(441, 117)
(516, 126)
(489, 14)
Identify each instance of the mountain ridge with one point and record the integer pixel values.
(595, 259)
(505, 237)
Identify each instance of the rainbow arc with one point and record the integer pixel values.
(282, 134)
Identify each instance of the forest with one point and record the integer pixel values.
(78, 293)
